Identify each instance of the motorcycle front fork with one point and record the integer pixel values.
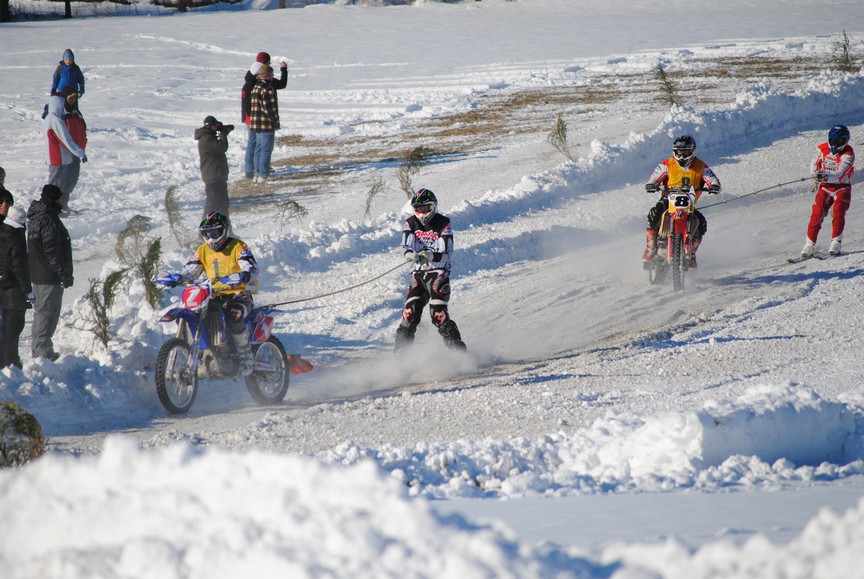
(664, 236)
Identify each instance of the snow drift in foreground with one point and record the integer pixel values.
(183, 511)
(773, 435)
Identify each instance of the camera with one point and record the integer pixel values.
(226, 128)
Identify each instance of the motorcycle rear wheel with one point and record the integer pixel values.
(268, 383)
(175, 385)
(658, 269)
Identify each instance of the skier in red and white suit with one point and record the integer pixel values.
(833, 169)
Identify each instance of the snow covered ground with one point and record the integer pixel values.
(597, 427)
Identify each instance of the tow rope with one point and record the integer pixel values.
(355, 286)
(755, 192)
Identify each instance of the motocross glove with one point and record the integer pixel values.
(168, 280)
(820, 176)
(714, 189)
(424, 257)
(651, 188)
(236, 278)
(31, 298)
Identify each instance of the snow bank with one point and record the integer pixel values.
(772, 435)
(829, 547)
(179, 512)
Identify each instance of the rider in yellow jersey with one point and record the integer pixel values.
(229, 263)
(682, 169)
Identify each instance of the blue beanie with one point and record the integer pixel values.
(68, 54)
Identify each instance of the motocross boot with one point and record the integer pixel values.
(245, 359)
(450, 332)
(404, 337)
(694, 245)
(650, 245)
(835, 246)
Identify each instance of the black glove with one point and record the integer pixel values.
(651, 188)
(67, 282)
(714, 189)
(820, 176)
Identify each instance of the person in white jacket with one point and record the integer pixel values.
(61, 149)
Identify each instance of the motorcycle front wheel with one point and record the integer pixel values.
(679, 265)
(175, 384)
(268, 383)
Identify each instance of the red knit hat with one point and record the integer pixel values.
(262, 57)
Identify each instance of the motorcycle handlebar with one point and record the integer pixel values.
(682, 189)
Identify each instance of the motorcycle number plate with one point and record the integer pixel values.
(194, 297)
(680, 202)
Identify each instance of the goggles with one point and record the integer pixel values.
(422, 208)
(837, 142)
(212, 232)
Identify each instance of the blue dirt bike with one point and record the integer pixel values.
(202, 349)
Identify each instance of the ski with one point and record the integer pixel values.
(801, 258)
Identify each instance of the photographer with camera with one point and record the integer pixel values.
(212, 145)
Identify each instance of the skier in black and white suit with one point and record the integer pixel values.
(428, 241)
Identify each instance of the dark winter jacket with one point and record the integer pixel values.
(49, 245)
(4, 194)
(249, 84)
(70, 76)
(211, 152)
(14, 268)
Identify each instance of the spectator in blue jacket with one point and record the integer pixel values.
(68, 74)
